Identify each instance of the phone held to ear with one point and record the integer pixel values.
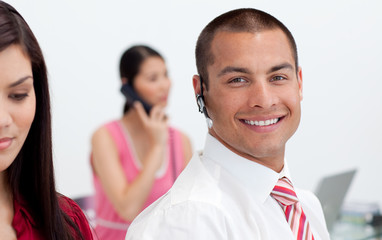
(132, 96)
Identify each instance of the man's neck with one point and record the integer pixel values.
(274, 161)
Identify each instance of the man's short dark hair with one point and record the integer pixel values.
(239, 20)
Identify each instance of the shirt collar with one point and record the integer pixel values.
(256, 178)
(21, 214)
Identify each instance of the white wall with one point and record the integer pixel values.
(340, 51)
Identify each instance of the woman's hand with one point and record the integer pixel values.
(155, 124)
(155, 128)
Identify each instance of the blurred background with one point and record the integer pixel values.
(339, 44)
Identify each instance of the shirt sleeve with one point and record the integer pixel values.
(183, 221)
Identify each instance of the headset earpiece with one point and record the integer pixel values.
(200, 102)
(202, 105)
(202, 109)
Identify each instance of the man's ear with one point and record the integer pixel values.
(196, 84)
(299, 80)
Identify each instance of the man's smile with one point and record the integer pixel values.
(262, 123)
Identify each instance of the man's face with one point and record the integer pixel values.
(254, 94)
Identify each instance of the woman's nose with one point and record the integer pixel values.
(5, 116)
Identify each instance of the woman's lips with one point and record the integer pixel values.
(5, 143)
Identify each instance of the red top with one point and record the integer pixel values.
(25, 226)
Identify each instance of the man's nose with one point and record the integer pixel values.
(261, 95)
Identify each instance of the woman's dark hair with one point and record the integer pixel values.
(30, 176)
(131, 61)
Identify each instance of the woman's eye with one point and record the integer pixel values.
(153, 78)
(19, 96)
(277, 78)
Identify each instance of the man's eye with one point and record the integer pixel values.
(277, 78)
(237, 80)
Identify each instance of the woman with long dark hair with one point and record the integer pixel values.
(30, 207)
(136, 158)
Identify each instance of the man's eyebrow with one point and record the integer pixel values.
(279, 67)
(20, 81)
(231, 69)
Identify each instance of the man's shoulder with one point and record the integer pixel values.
(194, 200)
(207, 183)
(166, 211)
(194, 186)
(186, 219)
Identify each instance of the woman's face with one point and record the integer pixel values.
(152, 82)
(17, 102)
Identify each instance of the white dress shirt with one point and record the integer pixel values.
(222, 196)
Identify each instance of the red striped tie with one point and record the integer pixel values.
(284, 194)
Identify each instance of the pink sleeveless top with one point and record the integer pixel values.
(108, 224)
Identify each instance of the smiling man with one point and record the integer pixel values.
(249, 88)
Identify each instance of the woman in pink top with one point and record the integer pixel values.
(137, 158)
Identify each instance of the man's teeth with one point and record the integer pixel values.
(262, 123)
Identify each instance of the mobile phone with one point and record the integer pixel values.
(131, 96)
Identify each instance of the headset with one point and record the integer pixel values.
(202, 105)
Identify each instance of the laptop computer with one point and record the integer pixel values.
(331, 192)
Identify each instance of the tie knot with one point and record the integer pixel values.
(284, 193)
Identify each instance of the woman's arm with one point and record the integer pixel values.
(127, 199)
